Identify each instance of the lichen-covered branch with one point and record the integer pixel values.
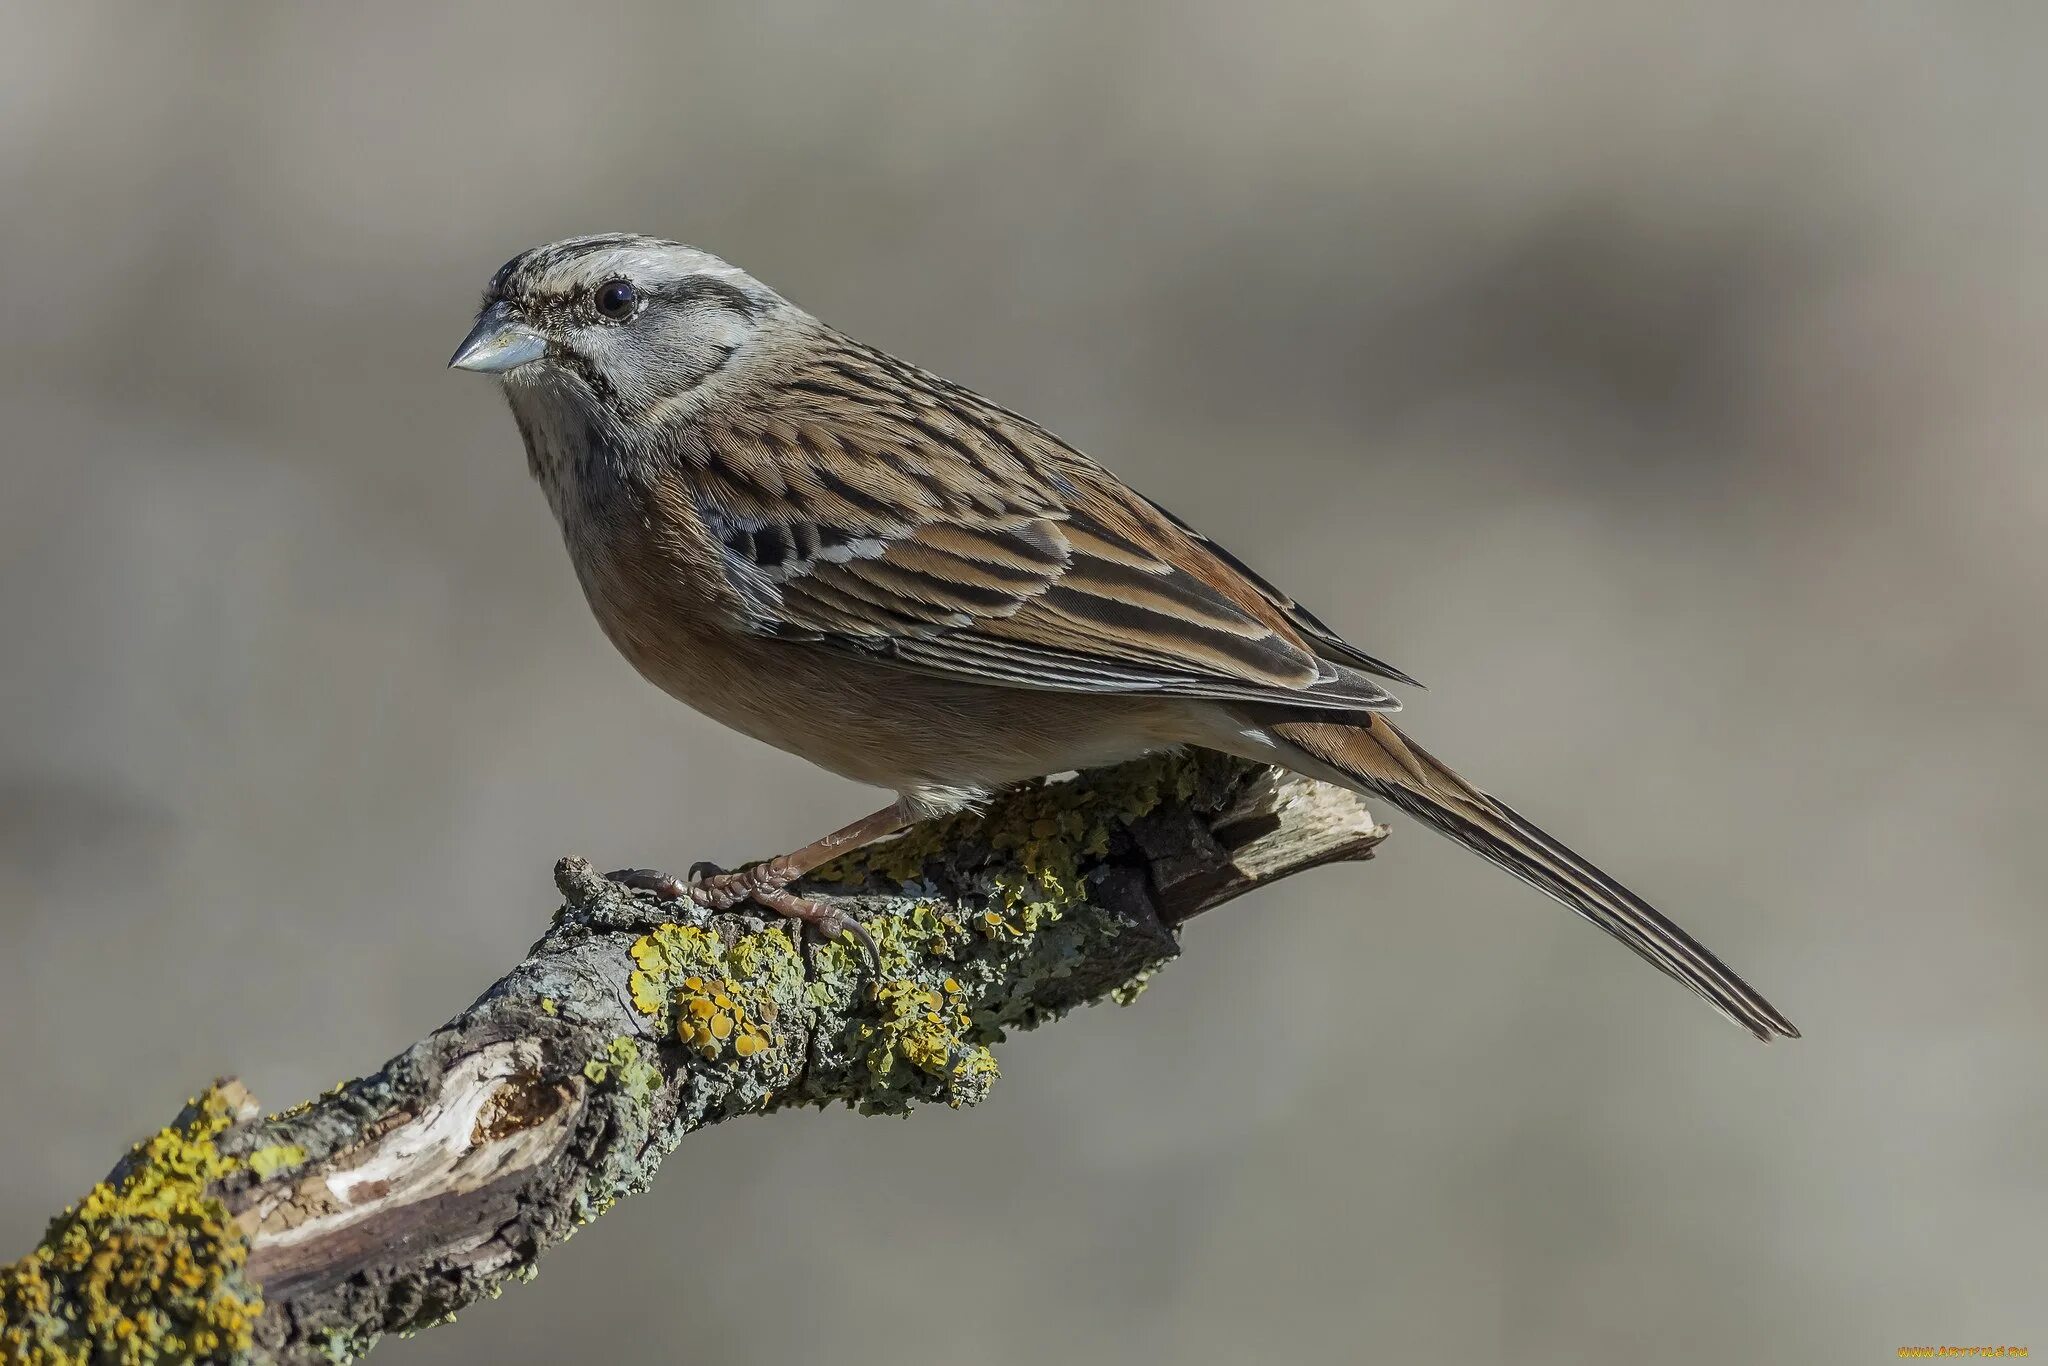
(396, 1199)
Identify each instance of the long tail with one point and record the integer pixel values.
(1386, 762)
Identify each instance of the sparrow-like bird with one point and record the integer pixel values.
(864, 564)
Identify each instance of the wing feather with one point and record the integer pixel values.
(884, 511)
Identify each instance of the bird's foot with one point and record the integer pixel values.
(763, 884)
(665, 886)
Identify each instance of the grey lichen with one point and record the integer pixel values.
(982, 931)
(622, 1031)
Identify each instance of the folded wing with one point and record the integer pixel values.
(886, 512)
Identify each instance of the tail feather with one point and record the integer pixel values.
(1379, 758)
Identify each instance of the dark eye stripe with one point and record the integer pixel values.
(706, 289)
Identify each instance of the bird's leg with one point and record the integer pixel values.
(767, 883)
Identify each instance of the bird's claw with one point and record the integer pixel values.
(715, 889)
(848, 925)
(664, 886)
(830, 921)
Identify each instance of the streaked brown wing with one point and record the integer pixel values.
(886, 512)
(1312, 627)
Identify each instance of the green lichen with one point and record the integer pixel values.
(930, 1029)
(344, 1345)
(1130, 991)
(268, 1162)
(625, 1070)
(1010, 881)
(147, 1268)
(625, 1064)
(991, 940)
(1038, 837)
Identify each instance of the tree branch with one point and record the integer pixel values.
(398, 1198)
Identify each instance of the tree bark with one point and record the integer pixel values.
(398, 1198)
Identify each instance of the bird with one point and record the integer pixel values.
(859, 562)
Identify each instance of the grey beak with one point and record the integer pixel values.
(499, 342)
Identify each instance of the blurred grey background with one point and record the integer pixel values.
(1662, 384)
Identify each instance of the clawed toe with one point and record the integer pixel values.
(666, 886)
(830, 921)
(715, 889)
(867, 942)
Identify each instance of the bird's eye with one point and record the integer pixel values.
(616, 299)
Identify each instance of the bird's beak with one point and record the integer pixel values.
(499, 342)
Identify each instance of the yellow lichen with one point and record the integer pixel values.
(1047, 828)
(645, 991)
(992, 902)
(929, 1029)
(714, 1011)
(268, 1162)
(719, 1000)
(289, 1112)
(147, 1268)
(666, 952)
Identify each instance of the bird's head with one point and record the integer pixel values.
(628, 328)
